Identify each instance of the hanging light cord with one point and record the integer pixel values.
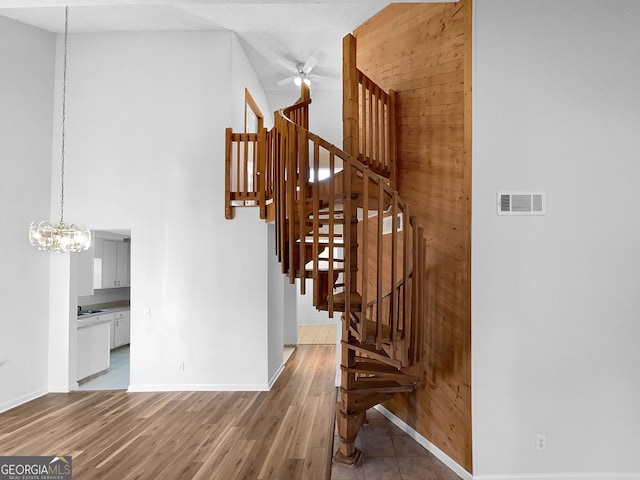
(64, 111)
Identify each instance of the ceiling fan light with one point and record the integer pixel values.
(297, 80)
(307, 81)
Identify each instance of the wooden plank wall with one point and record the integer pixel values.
(423, 51)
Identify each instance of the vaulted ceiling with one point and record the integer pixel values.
(293, 30)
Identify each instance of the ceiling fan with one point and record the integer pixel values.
(301, 71)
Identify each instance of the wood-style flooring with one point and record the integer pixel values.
(283, 434)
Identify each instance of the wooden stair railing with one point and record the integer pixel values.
(245, 168)
(369, 115)
(340, 223)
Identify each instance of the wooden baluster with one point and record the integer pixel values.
(332, 198)
(228, 209)
(245, 166)
(415, 287)
(393, 152)
(421, 293)
(347, 238)
(376, 126)
(371, 134)
(364, 252)
(278, 196)
(284, 159)
(361, 116)
(237, 175)
(394, 258)
(303, 176)
(316, 223)
(379, 272)
(261, 173)
(405, 320)
(291, 183)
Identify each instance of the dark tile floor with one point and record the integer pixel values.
(390, 454)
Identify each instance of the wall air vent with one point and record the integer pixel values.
(521, 203)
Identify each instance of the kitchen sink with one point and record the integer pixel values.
(88, 312)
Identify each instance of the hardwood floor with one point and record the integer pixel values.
(283, 434)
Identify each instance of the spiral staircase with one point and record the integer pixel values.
(340, 222)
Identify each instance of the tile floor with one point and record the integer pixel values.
(117, 377)
(390, 454)
(316, 334)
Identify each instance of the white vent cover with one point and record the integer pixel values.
(387, 224)
(521, 203)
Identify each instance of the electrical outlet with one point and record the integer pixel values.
(181, 367)
(147, 311)
(541, 442)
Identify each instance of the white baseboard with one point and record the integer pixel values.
(439, 454)
(63, 388)
(275, 376)
(16, 402)
(262, 387)
(561, 476)
(462, 473)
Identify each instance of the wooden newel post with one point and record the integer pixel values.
(350, 107)
(349, 415)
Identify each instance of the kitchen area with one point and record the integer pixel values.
(104, 321)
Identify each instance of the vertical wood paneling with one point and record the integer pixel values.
(423, 52)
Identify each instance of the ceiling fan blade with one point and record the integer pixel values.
(292, 68)
(284, 81)
(309, 65)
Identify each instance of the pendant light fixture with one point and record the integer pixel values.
(60, 237)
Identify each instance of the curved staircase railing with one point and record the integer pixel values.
(341, 224)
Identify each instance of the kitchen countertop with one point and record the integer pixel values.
(89, 319)
(90, 322)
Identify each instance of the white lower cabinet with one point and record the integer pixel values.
(121, 328)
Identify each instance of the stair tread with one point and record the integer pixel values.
(381, 369)
(339, 301)
(370, 349)
(379, 386)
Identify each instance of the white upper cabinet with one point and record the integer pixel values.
(85, 271)
(111, 263)
(122, 264)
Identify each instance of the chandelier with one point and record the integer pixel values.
(60, 237)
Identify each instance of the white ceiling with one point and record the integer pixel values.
(292, 30)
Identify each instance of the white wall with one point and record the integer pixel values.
(243, 76)
(555, 303)
(307, 314)
(147, 113)
(276, 284)
(26, 115)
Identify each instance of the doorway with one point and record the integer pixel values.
(103, 302)
(314, 326)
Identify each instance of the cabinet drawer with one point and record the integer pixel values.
(120, 314)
